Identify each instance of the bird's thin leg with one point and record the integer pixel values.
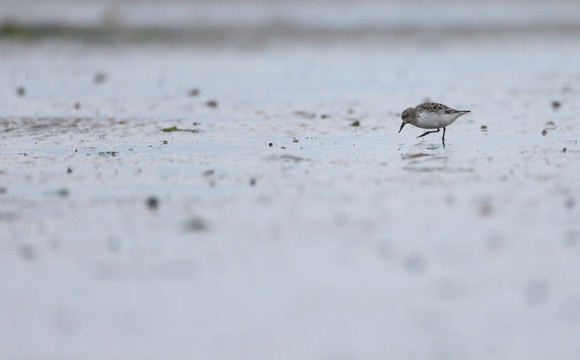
(443, 138)
(428, 132)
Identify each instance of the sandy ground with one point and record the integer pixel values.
(276, 229)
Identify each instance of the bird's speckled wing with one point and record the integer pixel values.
(436, 108)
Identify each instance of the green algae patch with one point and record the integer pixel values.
(12, 30)
(174, 128)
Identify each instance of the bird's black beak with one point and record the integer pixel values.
(402, 126)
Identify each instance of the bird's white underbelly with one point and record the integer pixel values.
(435, 121)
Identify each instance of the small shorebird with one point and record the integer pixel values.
(430, 115)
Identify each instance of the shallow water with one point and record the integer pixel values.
(337, 241)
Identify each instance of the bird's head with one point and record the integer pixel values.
(406, 116)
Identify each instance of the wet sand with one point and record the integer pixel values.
(274, 228)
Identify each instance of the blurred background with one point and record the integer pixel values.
(250, 23)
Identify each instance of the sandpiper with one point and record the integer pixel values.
(430, 115)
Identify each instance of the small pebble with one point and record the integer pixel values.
(270, 144)
(69, 171)
(164, 142)
(193, 92)
(483, 127)
(544, 132)
(27, 252)
(415, 263)
(99, 78)
(556, 104)
(195, 224)
(564, 150)
(485, 209)
(152, 202)
(62, 192)
(211, 103)
(21, 91)
(355, 123)
(253, 182)
(77, 106)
